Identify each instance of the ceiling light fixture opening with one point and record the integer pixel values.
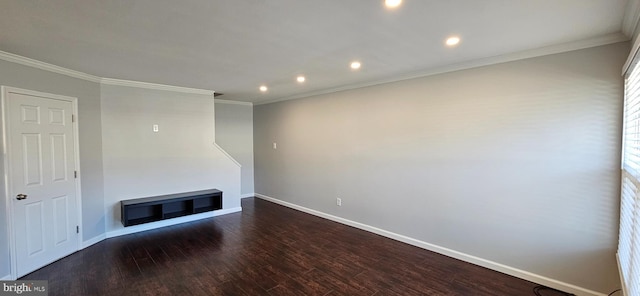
(301, 79)
(355, 65)
(263, 88)
(453, 41)
(392, 3)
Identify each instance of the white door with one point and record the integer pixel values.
(42, 185)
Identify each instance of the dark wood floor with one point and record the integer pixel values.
(267, 249)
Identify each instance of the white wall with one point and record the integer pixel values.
(515, 163)
(234, 133)
(180, 157)
(88, 94)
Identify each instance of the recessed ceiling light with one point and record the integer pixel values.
(392, 3)
(355, 65)
(263, 88)
(301, 79)
(453, 41)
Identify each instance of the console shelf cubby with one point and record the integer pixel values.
(156, 208)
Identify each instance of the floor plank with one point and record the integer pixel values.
(267, 249)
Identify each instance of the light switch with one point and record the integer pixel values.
(155, 128)
(275, 146)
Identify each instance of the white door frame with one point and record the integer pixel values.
(5, 90)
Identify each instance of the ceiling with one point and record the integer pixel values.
(234, 46)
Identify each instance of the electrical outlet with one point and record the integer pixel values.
(339, 201)
(155, 128)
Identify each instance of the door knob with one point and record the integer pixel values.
(21, 196)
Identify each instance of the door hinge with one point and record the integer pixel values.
(75, 174)
(77, 229)
(73, 118)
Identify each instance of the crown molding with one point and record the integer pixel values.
(155, 86)
(14, 58)
(233, 102)
(510, 57)
(631, 18)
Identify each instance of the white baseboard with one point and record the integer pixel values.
(92, 241)
(248, 195)
(623, 283)
(549, 282)
(6, 278)
(169, 222)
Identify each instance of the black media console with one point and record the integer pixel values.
(156, 208)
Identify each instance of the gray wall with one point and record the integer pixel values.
(88, 94)
(234, 133)
(517, 163)
(137, 162)
(181, 157)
